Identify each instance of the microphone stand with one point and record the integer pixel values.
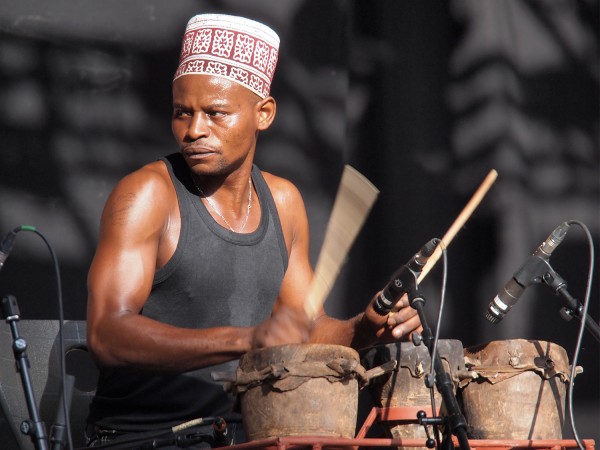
(34, 427)
(443, 381)
(538, 270)
(58, 431)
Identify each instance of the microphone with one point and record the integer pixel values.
(404, 280)
(6, 245)
(530, 272)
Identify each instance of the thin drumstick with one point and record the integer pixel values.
(352, 204)
(459, 222)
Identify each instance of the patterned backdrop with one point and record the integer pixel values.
(424, 98)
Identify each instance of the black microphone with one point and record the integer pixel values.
(6, 245)
(529, 273)
(403, 280)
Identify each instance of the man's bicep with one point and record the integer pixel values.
(119, 280)
(122, 270)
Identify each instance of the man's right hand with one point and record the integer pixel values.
(285, 326)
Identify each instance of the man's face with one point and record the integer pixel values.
(215, 123)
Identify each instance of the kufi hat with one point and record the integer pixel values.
(240, 49)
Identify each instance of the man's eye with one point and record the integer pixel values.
(179, 113)
(214, 113)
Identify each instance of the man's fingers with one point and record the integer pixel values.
(402, 315)
(406, 327)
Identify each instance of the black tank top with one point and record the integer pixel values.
(216, 277)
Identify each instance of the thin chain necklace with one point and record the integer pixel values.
(215, 209)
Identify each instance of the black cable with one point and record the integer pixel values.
(583, 316)
(437, 331)
(61, 341)
(443, 380)
(151, 439)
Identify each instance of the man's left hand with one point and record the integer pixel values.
(404, 320)
(397, 325)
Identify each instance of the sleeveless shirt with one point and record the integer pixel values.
(215, 277)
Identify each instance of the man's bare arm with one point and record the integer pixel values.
(135, 219)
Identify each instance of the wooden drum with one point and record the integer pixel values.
(299, 390)
(518, 390)
(405, 387)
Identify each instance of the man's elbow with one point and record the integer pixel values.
(101, 349)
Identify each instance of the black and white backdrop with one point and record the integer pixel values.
(422, 97)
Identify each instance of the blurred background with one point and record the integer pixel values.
(422, 97)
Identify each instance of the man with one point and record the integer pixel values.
(202, 256)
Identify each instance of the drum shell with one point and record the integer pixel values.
(519, 390)
(317, 404)
(405, 386)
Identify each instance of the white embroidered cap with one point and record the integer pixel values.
(240, 49)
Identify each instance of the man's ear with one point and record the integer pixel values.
(267, 109)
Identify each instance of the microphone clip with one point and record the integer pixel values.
(537, 270)
(533, 271)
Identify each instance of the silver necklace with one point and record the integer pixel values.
(215, 209)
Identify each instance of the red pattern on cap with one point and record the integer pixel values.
(233, 47)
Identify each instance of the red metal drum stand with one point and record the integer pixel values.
(407, 414)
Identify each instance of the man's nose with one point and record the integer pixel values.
(198, 126)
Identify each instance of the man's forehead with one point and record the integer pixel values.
(211, 88)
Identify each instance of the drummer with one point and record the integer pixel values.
(202, 256)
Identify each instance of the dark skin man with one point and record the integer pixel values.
(216, 123)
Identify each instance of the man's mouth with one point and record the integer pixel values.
(198, 152)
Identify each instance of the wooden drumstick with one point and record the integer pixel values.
(459, 222)
(352, 204)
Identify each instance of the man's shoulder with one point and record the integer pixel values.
(143, 198)
(279, 185)
(286, 195)
(149, 172)
(149, 179)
